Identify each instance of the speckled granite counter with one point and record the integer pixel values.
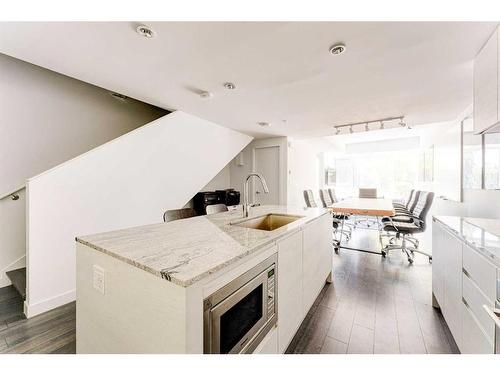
(186, 251)
(481, 234)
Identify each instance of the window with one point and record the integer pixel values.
(393, 173)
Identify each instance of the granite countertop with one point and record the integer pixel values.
(185, 251)
(481, 234)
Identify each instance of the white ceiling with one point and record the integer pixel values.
(283, 71)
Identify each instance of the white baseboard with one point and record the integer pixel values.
(33, 309)
(18, 263)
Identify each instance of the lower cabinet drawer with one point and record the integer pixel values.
(475, 339)
(481, 271)
(270, 343)
(475, 300)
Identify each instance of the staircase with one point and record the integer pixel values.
(18, 279)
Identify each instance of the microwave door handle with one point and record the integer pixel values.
(494, 314)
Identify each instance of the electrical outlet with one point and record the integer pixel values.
(98, 279)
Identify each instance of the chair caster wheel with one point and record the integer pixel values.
(410, 260)
(430, 259)
(384, 254)
(336, 249)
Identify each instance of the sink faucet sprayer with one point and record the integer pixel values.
(246, 205)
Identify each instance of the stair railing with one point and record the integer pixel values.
(13, 194)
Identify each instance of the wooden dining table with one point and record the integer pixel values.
(377, 207)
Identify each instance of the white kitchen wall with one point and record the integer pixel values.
(305, 173)
(127, 182)
(238, 173)
(221, 181)
(47, 118)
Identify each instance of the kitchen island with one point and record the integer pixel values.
(144, 289)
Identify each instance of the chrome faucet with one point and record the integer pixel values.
(246, 205)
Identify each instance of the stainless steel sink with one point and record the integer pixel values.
(267, 222)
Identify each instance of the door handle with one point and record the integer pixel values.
(494, 314)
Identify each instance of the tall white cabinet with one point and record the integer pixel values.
(463, 281)
(447, 278)
(487, 86)
(304, 263)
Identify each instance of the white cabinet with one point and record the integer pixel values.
(487, 86)
(475, 339)
(290, 312)
(438, 263)
(269, 345)
(316, 259)
(452, 304)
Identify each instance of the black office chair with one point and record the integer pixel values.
(182, 213)
(404, 214)
(309, 198)
(404, 206)
(326, 200)
(311, 202)
(405, 230)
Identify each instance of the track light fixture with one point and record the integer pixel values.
(389, 121)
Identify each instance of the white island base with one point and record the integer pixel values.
(131, 310)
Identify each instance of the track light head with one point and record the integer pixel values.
(367, 128)
(381, 125)
(351, 129)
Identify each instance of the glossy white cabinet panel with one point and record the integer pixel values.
(481, 271)
(290, 312)
(270, 343)
(475, 300)
(438, 263)
(486, 85)
(317, 258)
(475, 340)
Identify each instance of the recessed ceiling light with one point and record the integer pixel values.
(206, 94)
(229, 85)
(145, 31)
(337, 49)
(264, 124)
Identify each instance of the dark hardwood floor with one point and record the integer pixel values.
(51, 332)
(374, 305)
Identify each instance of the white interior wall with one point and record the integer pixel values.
(238, 173)
(305, 171)
(127, 182)
(221, 181)
(47, 118)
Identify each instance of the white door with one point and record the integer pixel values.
(267, 163)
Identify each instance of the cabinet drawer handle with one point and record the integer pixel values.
(465, 302)
(493, 314)
(466, 273)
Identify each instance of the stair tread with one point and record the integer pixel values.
(18, 279)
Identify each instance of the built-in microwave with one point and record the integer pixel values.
(239, 315)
